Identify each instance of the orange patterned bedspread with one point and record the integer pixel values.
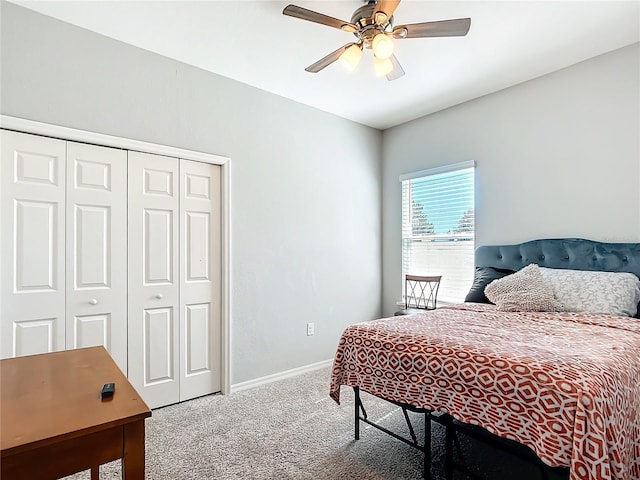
(565, 384)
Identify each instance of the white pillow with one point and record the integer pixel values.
(523, 291)
(613, 293)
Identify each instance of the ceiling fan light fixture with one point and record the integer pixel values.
(382, 46)
(382, 66)
(351, 56)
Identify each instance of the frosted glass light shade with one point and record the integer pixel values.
(382, 46)
(351, 56)
(382, 66)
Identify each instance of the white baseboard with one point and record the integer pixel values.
(280, 376)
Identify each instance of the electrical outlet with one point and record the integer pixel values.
(310, 329)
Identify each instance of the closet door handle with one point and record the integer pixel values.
(93, 301)
(159, 296)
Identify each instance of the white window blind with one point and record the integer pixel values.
(438, 227)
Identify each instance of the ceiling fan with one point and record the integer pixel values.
(372, 24)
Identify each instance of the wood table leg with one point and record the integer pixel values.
(133, 458)
(95, 472)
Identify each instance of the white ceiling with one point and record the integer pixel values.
(251, 41)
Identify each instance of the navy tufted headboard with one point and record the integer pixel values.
(572, 253)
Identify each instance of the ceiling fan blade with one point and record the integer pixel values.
(458, 27)
(385, 7)
(397, 71)
(315, 17)
(328, 60)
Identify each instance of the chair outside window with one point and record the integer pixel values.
(420, 293)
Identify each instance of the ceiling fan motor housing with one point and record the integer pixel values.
(368, 28)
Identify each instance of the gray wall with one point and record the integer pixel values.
(306, 185)
(558, 156)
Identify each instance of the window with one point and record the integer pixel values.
(438, 227)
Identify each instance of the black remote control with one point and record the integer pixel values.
(107, 390)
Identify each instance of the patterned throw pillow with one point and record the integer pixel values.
(524, 291)
(613, 293)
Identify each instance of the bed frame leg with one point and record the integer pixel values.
(356, 391)
(448, 448)
(426, 472)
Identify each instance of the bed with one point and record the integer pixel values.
(564, 383)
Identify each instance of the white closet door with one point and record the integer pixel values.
(154, 277)
(32, 262)
(96, 305)
(200, 286)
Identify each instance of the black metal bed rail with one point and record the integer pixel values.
(425, 447)
(451, 439)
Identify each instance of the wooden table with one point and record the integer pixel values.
(54, 423)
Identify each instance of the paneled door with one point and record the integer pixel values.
(154, 277)
(32, 264)
(105, 246)
(96, 293)
(200, 289)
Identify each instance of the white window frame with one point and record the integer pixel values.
(456, 278)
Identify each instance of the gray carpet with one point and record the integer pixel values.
(291, 429)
